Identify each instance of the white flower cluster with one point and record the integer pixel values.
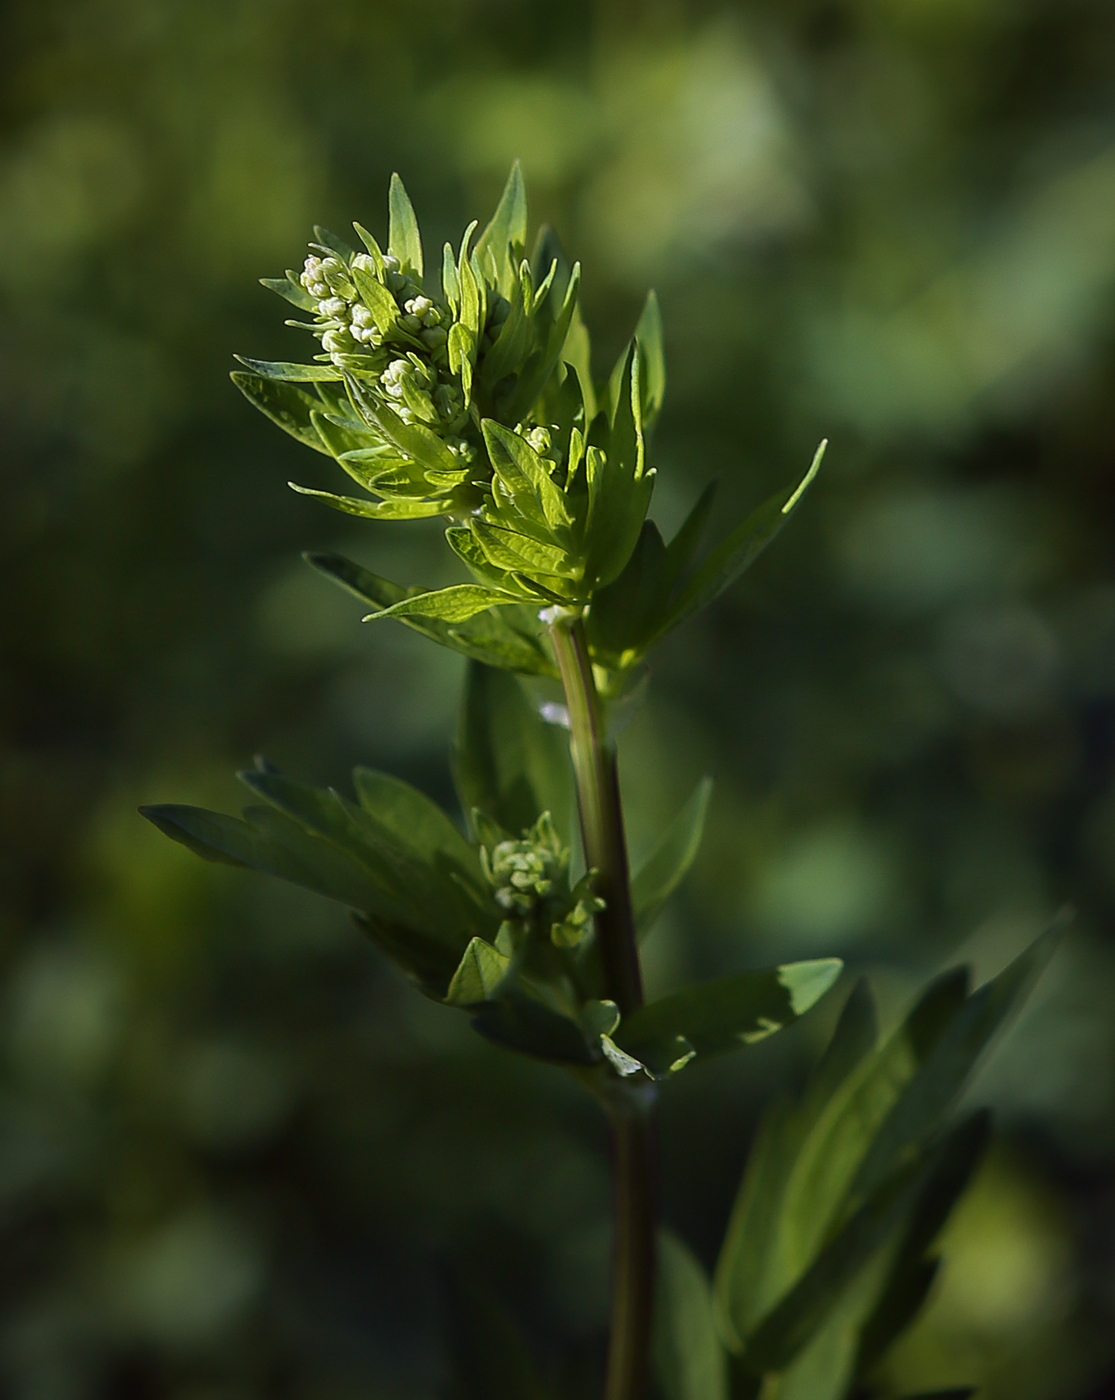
(412, 382)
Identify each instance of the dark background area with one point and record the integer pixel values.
(238, 1157)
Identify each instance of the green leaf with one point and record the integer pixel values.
(403, 238)
(689, 1360)
(514, 552)
(752, 1269)
(522, 1023)
(479, 975)
(291, 290)
(376, 297)
(279, 848)
(418, 826)
(414, 440)
(500, 246)
(454, 604)
(509, 763)
(513, 343)
(291, 373)
(490, 637)
(729, 1012)
(374, 510)
(524, 473)
(538, 369)
(902, 1215)
(334, 242)
(648, 334)
(739, 551)
(666, 866)
(285, 405)
(489, 1358)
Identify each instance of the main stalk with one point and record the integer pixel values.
(632, 1107)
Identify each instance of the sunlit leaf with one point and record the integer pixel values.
(454, 604)
(403, 239)
(291, 373)
(479, 975)
(285, 405)
(373, 510)
(689, 1361)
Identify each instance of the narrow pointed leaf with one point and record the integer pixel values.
(689, 1360)
(285, 405)
(454, 604)
(500, 245)
(289, 289)
(403, 238)
(479, 975)
(374, 510)
(509, 764)
(739, 551)
(291, 373)
(648, 334)
(667, 865)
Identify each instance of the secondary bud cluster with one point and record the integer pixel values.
(524, 872)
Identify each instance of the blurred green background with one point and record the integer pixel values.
(238, 1157)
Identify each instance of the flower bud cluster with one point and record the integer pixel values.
(407, 365)
(524, 872)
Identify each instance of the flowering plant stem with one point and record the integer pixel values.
(631, 1108)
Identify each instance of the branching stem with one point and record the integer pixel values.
(632, 1113)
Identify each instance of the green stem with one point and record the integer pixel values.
(631, 1107)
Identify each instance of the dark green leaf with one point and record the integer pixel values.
(519, 1022)
(666, 866)
(729, 1012)
(403, 238)
(491, 637)
(478, 978)
(739, 551)
(689, 1361)
(509, 764)
(417, 825)
(285, 405)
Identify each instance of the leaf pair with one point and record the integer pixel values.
(825, 1256)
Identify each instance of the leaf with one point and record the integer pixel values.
(374, 510)
(629, 611)
(729, 1012)
(291, 373)
(285, 405)
(489, 1357)
(500, 246)
(414, 440)
(689, 1361)
(488, 636)
(508, 763)
(523, 472)
(905, 1212)
(334, 243)
(376, 297)
(479, 975)
(739, 551)
(454, 604)
(417, 825)
(403, 238)
(750, 1273)
(291, 290)
(283, 849)
(537, 371)
(666, 866)
(648, 334)
(522, 1023)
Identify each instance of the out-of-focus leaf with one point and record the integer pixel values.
(490, 1357)
(479, 975)
(454, 604)
(509, 763)
(285, 405)
(416, 824)
(490, 637)
(901, 1216)
(729, 1012)
(666, 866)
(403, 238)
(689, 1361)
(284, 370)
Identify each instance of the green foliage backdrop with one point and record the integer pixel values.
(237, 1157)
